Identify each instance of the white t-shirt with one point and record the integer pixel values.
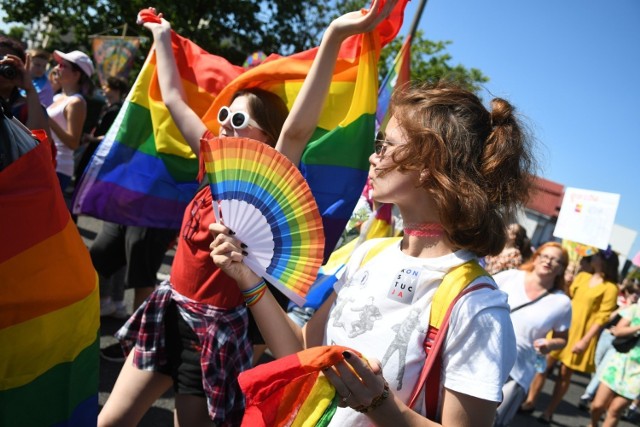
(382, 310)
(553, 312)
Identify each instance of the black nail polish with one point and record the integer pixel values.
(346, 354)
(245, 253)
(243, 246)
(232, 233)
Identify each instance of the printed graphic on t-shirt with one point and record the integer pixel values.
(369, 313)
(404, 285)
(336, 313)
(401, 342)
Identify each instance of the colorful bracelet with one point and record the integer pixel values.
(253, 295)
(377, 401)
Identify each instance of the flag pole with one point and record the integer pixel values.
(416, 18)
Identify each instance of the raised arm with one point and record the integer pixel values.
(305, 113)
(173, 95)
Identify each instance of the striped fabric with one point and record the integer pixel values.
(290, 391)
(49, 303)
(335, 162)
(144, 173)
(148, 182)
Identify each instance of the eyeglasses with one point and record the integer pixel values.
(382, 146)
(549, 259)
(239, 119)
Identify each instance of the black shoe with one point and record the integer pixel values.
(631, 416)
(584, 404)
(113, 353)
(542, 420)
(528, 411)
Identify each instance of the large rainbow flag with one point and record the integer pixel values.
(335, 162)
(290, 391)
(49, 303)
(144, 173)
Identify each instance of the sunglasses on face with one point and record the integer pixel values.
(551, 260)
(237, 119)
(382, 146)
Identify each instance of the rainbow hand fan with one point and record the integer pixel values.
(265, 200)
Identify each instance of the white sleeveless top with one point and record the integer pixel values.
(64, 156)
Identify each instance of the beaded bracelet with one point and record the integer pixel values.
(253, 295)
(377, 401)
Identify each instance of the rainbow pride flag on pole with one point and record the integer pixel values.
(144, 173)
(290, 391)
(398, 75)
(49, 303)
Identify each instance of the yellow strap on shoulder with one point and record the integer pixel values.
(379, 247)
(454, 282)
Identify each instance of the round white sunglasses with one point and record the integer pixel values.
(238, 119)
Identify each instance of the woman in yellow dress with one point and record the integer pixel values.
(593, 298)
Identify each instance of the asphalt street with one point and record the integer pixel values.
(161, 414)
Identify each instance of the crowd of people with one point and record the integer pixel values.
(456, 172)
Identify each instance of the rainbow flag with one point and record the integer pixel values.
(49, 302)
(335, 162)
(398, 75)
(144, 173)
(158, 180)
(290, 391)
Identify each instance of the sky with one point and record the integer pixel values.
(571, 68)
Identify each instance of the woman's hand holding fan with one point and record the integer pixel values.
(267, 203)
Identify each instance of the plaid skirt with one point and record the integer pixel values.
(226, 350)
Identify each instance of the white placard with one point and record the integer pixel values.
(587, 217)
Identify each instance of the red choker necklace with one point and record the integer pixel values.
(425, 229)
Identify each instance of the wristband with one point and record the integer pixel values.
(253, 295)
(377, 401)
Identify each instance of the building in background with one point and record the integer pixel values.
(540, 215)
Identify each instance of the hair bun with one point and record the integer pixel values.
(501, 112)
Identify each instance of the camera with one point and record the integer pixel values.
(8, 71)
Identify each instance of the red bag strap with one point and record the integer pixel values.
(433, 342)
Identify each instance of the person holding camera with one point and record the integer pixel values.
(13, 77)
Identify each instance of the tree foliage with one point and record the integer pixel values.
(431, 62)
(429, 59)
(232, 29)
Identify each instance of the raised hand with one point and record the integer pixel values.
(152, 20)
(362, 21)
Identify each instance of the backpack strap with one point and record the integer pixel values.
(453, 287)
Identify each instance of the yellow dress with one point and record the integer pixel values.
(589, 305)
